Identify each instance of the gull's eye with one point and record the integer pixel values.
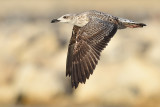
(65, 17)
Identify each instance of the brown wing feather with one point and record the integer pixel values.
(70, 50)
(85, 48)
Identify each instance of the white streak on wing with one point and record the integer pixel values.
(126, 20)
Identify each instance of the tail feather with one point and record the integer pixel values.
(128, 23)
(134, 25)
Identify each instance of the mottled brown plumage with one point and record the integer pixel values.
(90, 35)
(85, 48)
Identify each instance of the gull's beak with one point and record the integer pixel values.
(54, 21)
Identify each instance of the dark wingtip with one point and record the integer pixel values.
(142, 24)
(135, 25)
(74, 85)
(68, 75)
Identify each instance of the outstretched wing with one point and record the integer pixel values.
(85, 48)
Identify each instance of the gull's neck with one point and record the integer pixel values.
(80, 20)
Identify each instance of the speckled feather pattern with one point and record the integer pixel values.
(91, 33)
(85, 48)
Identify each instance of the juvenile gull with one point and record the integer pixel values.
(91, 33)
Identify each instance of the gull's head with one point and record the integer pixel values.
(68, 18)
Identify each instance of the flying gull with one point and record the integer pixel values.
(91, 33)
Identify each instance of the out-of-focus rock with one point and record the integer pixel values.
(132, 79)
(8, 95)
(37, 84)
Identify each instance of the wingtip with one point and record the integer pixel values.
(142, 24)
(135, 25)
(74, 86)
(67, 74)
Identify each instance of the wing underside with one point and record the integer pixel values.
(85, 48)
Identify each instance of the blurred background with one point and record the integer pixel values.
(33, 56)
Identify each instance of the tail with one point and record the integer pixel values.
(134, 25)
(123, 23)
